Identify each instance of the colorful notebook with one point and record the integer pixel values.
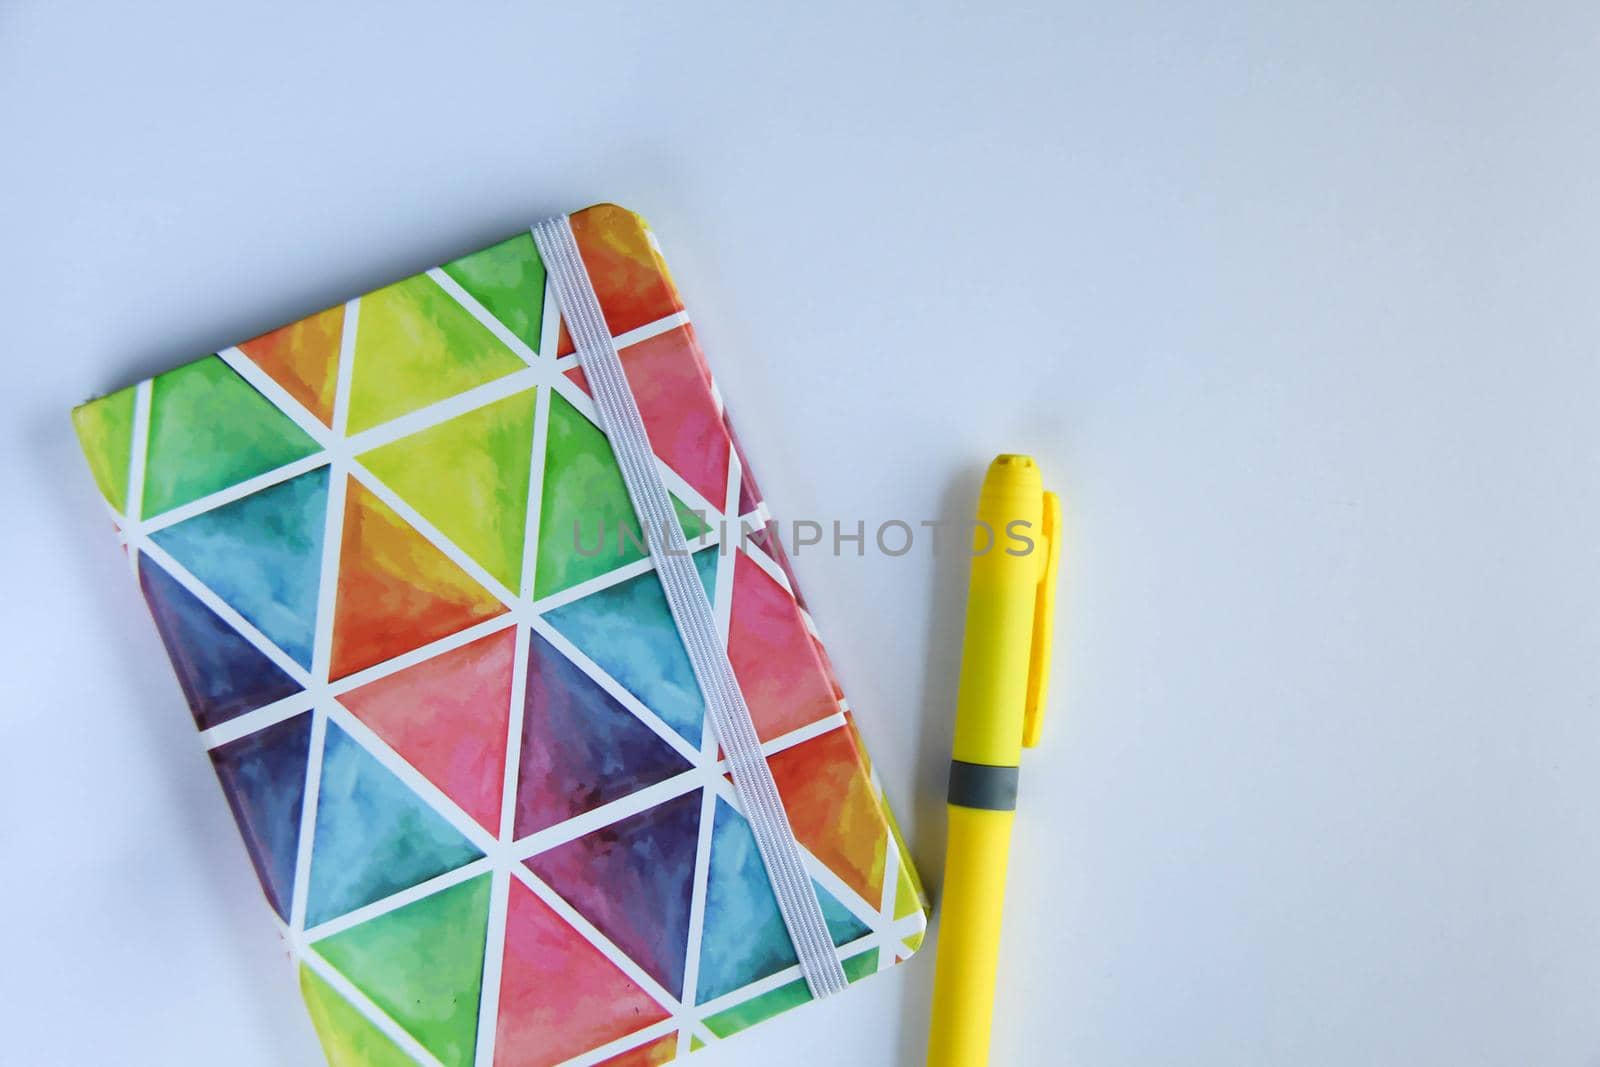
(395, 565)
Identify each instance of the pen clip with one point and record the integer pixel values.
(1044, 607)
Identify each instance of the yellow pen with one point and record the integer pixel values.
(1005, 666)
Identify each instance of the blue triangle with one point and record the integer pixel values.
(744, 937)
(843, 925)
(222, 674)
(264, 777)
(580, 747)
(374, 836)
(262, 554)
(628, 630)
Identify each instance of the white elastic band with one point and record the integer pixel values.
(752, 778)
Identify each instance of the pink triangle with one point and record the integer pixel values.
(678, 402)
(447, 717)
(559, 996)
(778, 664)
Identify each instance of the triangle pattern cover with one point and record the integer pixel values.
(744, 938)
(397, 590)
(303, 357)
(627, 629)
(508, 280)
(423, 965)
(415, 345)
(222, 674)
(468, 476)
(435, 657)
(447, 717)
(348, 1038)
(580, 747)
(374, 836)
(210, 429)
(262, 554)
(263, 776)
(559, 995)
(633, 881)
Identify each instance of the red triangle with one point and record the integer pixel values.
(396, 590)
(303, 357)
(447, 717)
(559, 996)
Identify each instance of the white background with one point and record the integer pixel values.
(1297, 308)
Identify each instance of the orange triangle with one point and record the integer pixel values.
(396, 590)
(447, 717)
(661, 1050)
(833, 808)
(303, 357)
(558, 995)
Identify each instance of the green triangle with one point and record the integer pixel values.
(415, 345)
(858, 967)
(105, 433)
(423, 965)
(757, 1009)
(695, 1044)
(508, 280)
(585, 504)
(348, 1038)
(210, 429)
(693, 524)
(469, 477)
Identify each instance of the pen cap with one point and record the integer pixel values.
(1044, 613)
(1007, 554)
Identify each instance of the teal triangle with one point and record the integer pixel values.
(374, 836)
(210, 429)
(262, 554)
(843, 925)
(628, 630)
(744, 938)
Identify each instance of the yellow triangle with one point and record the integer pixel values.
(468, 476)
(415, 345)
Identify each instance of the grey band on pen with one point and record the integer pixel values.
(978, 785)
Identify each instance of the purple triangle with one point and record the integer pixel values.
(580, 747)
(222, 674)
(264, 777)
(633, 880)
